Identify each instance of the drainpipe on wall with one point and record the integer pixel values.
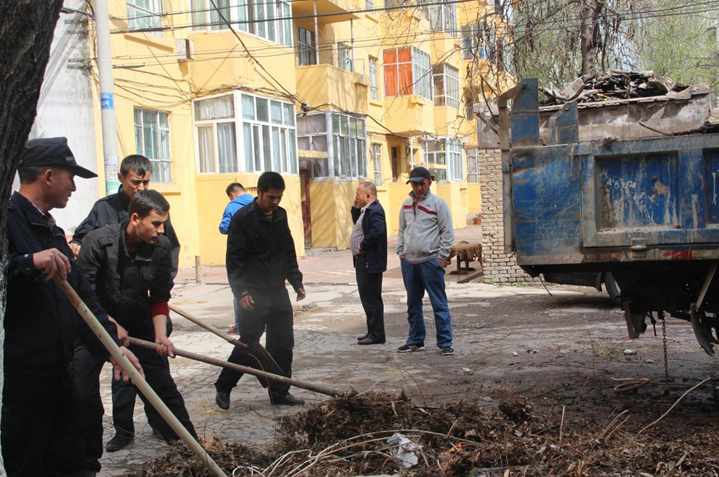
(107, 97)
(317, 34)
(352, 43)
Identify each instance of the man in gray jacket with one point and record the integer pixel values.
(424, 244)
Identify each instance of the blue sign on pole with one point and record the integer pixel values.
(107, 101)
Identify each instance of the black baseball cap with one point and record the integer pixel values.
(52, 152)
(418, 174)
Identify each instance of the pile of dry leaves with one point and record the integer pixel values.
(348, 436)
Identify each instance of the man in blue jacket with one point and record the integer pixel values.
(368, 243)
(238, 199)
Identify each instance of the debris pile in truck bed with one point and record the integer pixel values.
(348, 436)
(612, 86)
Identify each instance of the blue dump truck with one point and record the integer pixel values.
(587, 192)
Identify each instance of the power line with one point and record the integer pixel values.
(295, 17)
(556, 25)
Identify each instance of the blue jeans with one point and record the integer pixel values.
(419, 277)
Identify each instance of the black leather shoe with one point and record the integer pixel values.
(369, 341)
(286, 400)
(363, 337)
(118, 442)
(222, 400)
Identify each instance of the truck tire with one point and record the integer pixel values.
(612, 288)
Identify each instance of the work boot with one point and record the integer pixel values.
(285, 399)
(222, 399)
(118, 442)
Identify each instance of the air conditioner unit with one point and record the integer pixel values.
(185, 49)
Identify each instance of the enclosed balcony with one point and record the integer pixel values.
(332, 11)
(331, 77)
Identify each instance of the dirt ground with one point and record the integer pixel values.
(559, 354)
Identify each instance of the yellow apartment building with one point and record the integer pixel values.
(327, 92)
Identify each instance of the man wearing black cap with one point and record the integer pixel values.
(423, 245)
(41, 408)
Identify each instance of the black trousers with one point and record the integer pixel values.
(87, 365)
(157, 375)
(272, 313)
(370, 292)
(41, 427)
(123, 400)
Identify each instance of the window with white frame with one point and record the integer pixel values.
(454, 160)
(268, 19)
(377, 163)
(373, 80)
(473, 42)
(267, 139)
(268, 135)
(369, 4)
(344, 56)
(152, 140)
(446, 85)
(444, 159)
(473, 165)
(468, 108)
(348, 146)
(342, 137)
(442, 18)
(144, 14)
(216, 134)
(306, 47)
(407, 71)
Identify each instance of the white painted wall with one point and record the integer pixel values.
(65, 109)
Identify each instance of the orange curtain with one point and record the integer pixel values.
(405, 79)
(390, 80)
(405, 71)
(390, 72)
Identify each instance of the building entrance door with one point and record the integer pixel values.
(306, 215)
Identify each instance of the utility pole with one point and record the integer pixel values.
(107, 97)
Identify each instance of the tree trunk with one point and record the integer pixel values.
(590, 34)
(26, 30)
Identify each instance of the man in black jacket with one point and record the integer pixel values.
(368, 243)
(260, 257)
(135, 173)
(41, 407)
(130, 266)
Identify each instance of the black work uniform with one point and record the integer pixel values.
(260, 257)
(110, 210)
(41, 406)
(127, 287)
(370, 264)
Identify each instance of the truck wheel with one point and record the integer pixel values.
(612, 288)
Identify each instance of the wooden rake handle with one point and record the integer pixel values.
(242, 369)
(208, 327)
(136, 377)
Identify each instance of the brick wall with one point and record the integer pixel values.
(499, 267)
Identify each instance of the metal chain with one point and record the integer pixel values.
(664, 339)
